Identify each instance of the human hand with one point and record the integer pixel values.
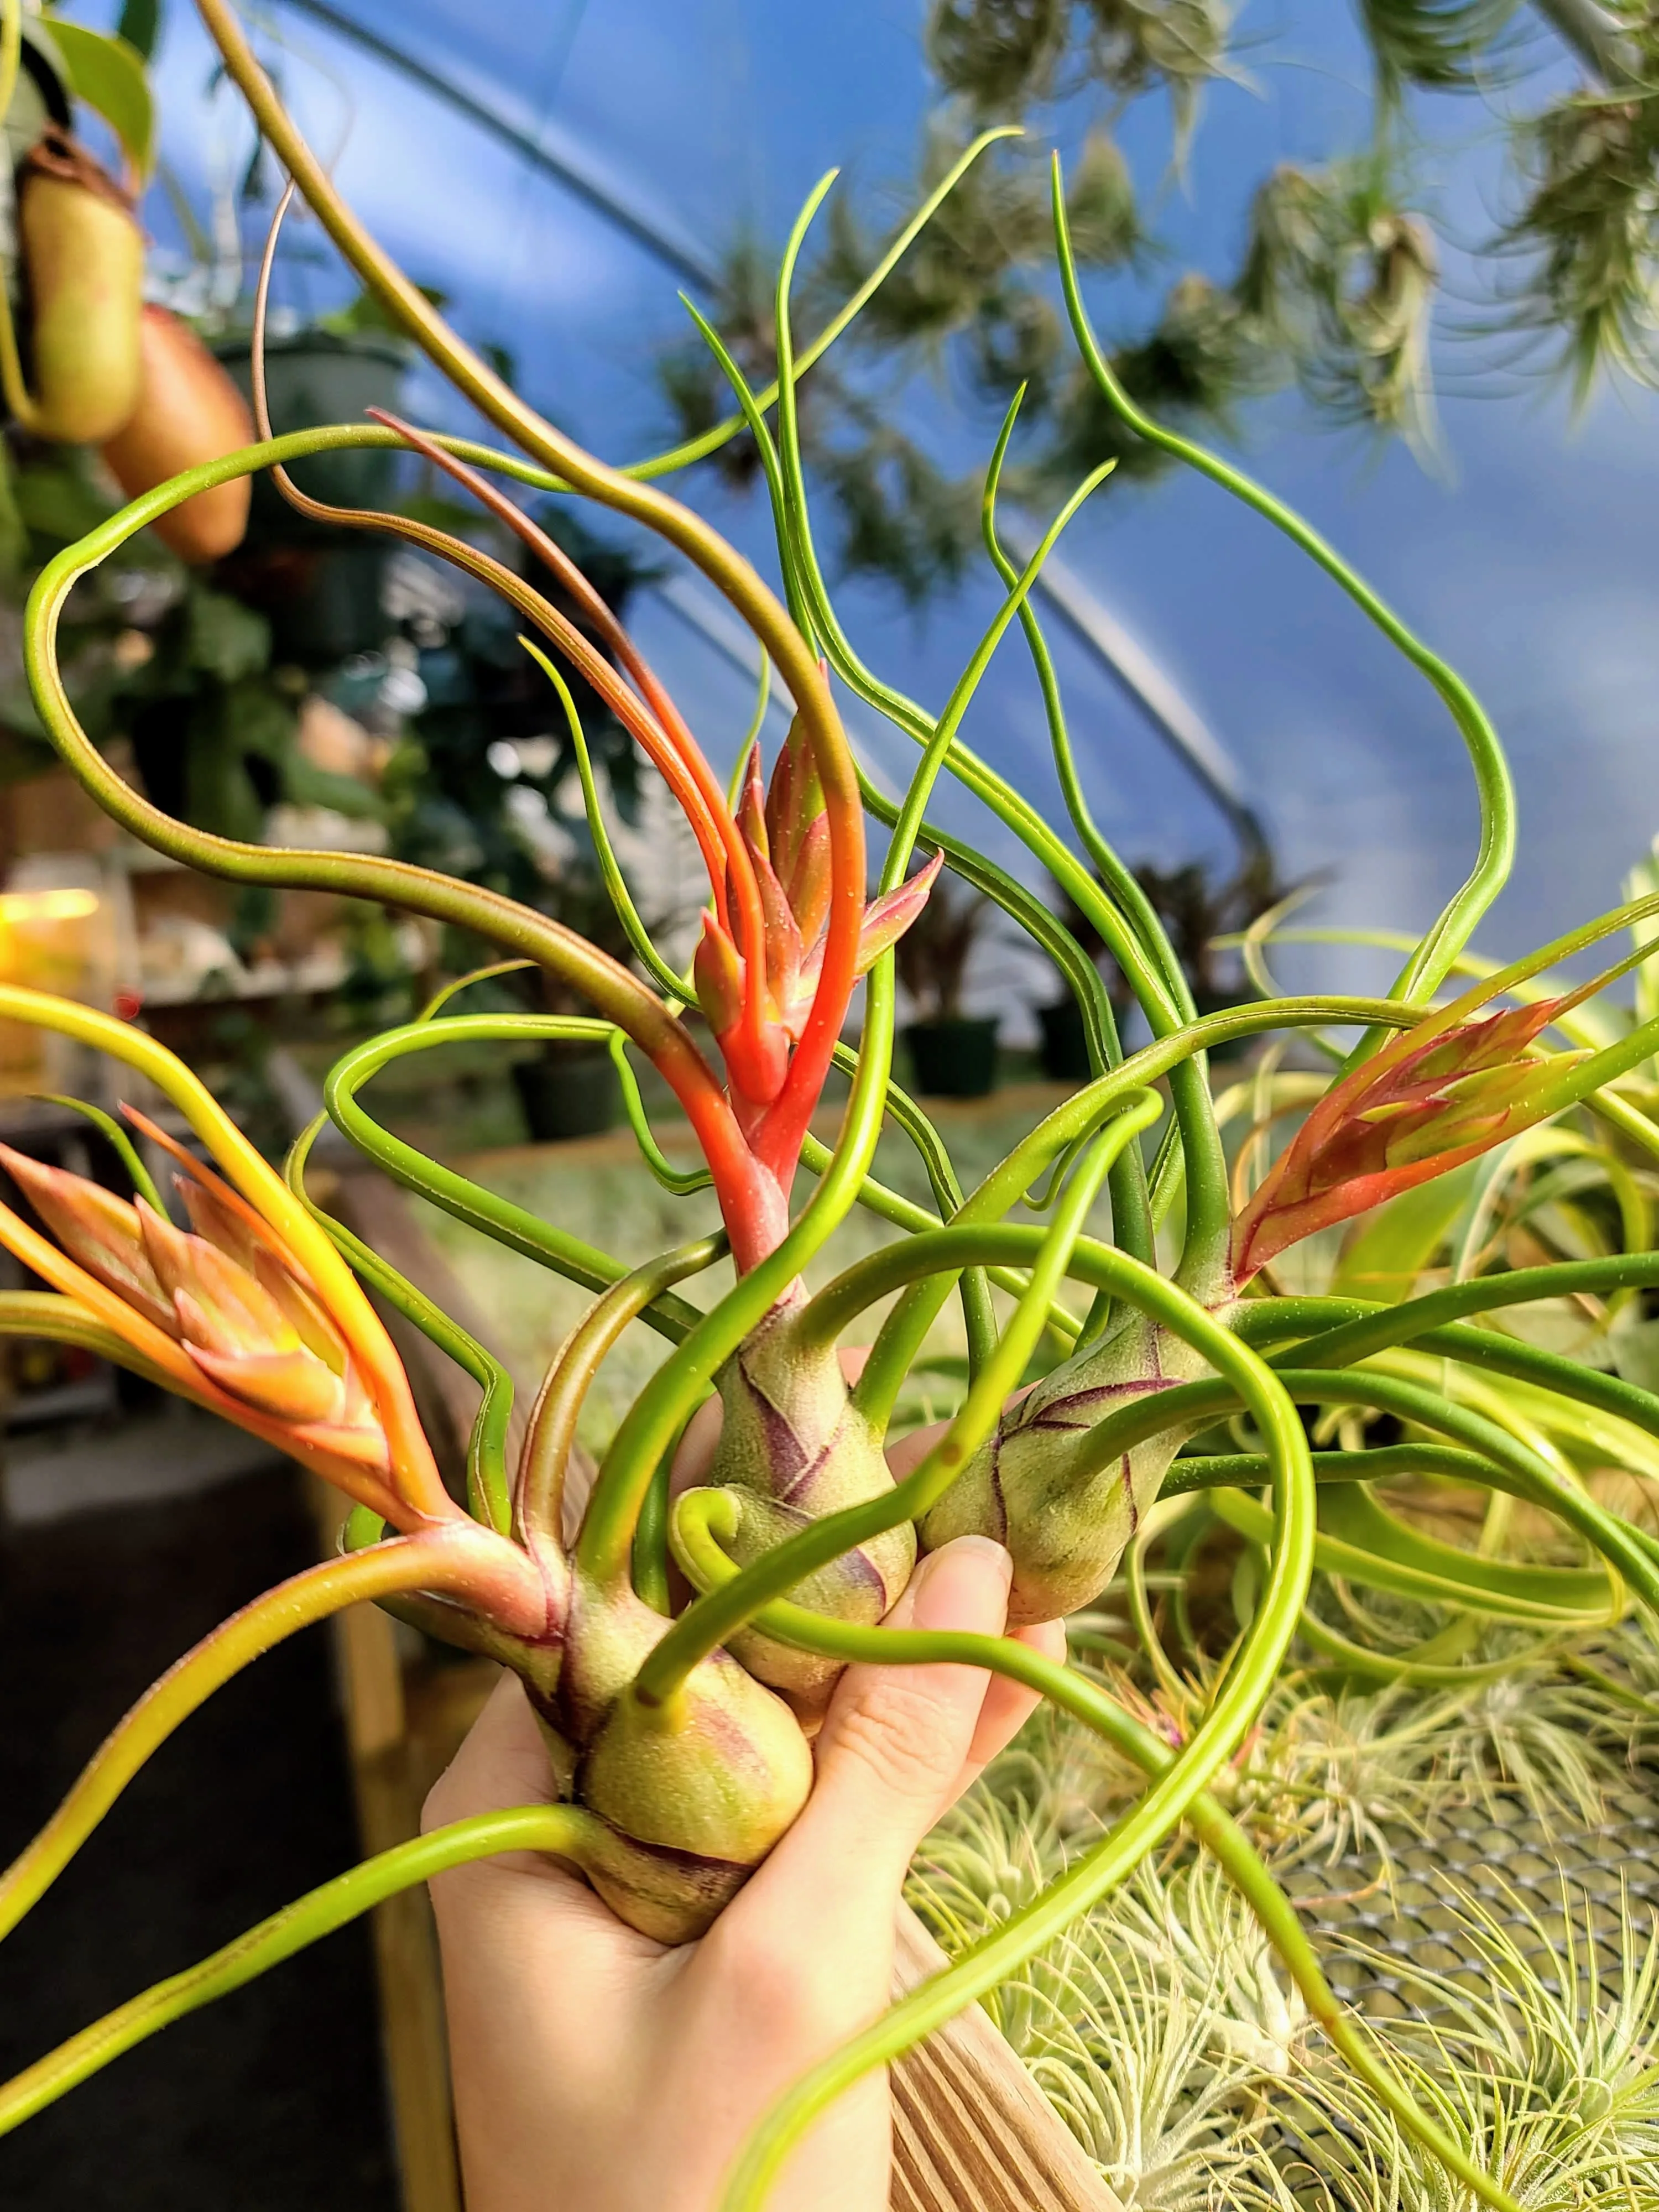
(596, 2070)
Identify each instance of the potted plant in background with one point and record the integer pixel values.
(321, 587)
(953, 1054)
(110, 392)
(1063, 1045)
(1197, 914)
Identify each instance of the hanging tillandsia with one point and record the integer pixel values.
(679, 1735)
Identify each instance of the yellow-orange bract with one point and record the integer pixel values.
(223, 1312)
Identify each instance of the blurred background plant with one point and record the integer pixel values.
(953, 1053)
(1337, 280)
(290, 680)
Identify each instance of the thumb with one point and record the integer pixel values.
(895, 1741)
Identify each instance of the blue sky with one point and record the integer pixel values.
(1529, 560)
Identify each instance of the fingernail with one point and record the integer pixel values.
(984, 1548)
(937, 1588)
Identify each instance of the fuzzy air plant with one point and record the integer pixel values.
(1188, 1398)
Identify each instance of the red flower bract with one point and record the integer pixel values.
(759, 1010)
(1409, 1114)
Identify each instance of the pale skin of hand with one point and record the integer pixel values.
(596, 2070)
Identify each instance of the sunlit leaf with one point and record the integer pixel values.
(109, 75)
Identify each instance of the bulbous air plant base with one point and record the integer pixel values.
(690, 1796)
(1067, 1536)
(793, 1448)
(687, 1798)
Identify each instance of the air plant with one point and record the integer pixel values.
(677, 1735)
(1540, 2060)
(1153, 2025)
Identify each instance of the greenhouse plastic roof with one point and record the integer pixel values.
(1529, 558)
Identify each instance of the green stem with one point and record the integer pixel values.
(610, 874)
(1140, 1607)
(789, 413)
(49, 1314)
(1008, 805)
(1133, 1225)
(1543, 1597)
(721, 433)
(697, 1524)
(1527, 1363)
(710, 441)
(617, 993)
(908, 1323)
(458, 1194)
(559, 1829)
(712, 1620)
(1369, 1327)
(1536, 1479)
(1472, 1347)
(1209, 1207)
(930, 1254)
(1410, 1666)
(978, 1318)
(111, 1129)
(1119, 880)
(904, 1213)
(437, 1562)
(681, 1182)
(1435, 954)
(725, 567)
(651, 1556)
(1169, 1799)
(1381, 1463)
(609, 1521)
(908, 828)
(488, 1494)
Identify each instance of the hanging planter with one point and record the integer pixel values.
(319, 375)
(321, 587)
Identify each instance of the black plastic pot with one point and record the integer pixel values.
(1065, 1047)
(568, 1093)
(955, 1059)
(324, 603)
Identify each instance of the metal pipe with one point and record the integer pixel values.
(563, 162)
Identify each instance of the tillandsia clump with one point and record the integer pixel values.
(678, 1733)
